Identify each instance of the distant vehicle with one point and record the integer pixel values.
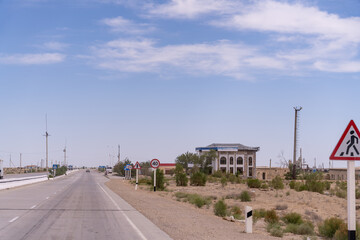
(109, 169)
(87, 170)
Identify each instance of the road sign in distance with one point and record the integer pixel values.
(137, 165)
(130, 167)
(155, 163)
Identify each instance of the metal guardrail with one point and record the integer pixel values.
(21, 179)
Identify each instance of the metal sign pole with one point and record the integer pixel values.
(155, 180)
(130, 173)
(351, 211)
(137, 179)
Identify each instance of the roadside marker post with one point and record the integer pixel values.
(137, 167)
(348, 149)
(155, 163)
(248, 219)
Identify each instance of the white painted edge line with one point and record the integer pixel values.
(33, 207)
(14, 219)
(126, 217)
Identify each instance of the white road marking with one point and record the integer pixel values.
(14, 219)
(33, 207)
(126, 217)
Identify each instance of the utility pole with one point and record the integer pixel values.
(47, 147)
(65, 156)
(118, 153)
(297, 109)
(20, 159)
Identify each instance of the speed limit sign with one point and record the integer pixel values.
(155, 163)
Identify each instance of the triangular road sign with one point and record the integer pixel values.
(137, 165)
(348, 147)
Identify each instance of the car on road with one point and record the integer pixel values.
(87, 170)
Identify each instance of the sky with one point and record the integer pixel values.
(160, 78)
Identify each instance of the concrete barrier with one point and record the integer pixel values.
(16, 182)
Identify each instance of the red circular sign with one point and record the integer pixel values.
(155, 163)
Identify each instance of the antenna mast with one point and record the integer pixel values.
(118, 153)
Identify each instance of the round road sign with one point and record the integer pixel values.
(155, 163)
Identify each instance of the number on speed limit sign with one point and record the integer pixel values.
(155, 163)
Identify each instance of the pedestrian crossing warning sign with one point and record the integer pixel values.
(348, 147)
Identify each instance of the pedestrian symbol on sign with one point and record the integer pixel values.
(352, 144)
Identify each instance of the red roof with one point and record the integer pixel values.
(167, 164)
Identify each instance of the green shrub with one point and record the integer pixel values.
(232, 178)
(180, 176)
(275, 230)
(264, 186)
(195, 199)
(341, 233)
(223, 181)
(245, 196)
(220, 208)
(198, 201)
(236, 212)
(293, 218)
(292, 184)
(340, 193)
(281, 207)
(144, 181)
(160, 184)
(258, 213)
(306, 228)
(218, 174)
(253, 183)
(277, 183)
(327, 185)
(198, 179)
(329, 227)
(271, 216)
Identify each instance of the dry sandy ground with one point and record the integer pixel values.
(183, 220)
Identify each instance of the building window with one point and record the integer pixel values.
(250, 171)
(240, 171)
(263, 176)
(223, 169)
(223, 160)
(250, 161)
(231, 170)
(240, 161)
(231, 160)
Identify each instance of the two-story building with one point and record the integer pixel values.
(233, 158)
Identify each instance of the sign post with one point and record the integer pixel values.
(1, 169)
(348, 149)
(137, 167)
(130, 167)
(55, 166)
(155, 163)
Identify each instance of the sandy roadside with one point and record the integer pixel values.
(180, 220)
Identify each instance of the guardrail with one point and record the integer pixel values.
(16, 182)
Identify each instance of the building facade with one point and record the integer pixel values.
(233, 158)
(269, 173)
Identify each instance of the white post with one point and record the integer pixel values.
(248, 219)
(351, 200)
(137, 179)
(155, 180)
(1, 169)
(130, 173)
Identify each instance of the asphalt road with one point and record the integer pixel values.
(77, 206)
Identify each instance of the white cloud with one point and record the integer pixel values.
(347, 66)
(193, 8)
(120, 24)
(57, 46)
(220, 58)
(32, 59)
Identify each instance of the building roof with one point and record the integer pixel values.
(228, 146)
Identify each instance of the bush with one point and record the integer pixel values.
(232, 178)
(264, 186)
(245, 196)
(293, 218)
(198, 179)
(160, 184)
(292, 184)
(223, 181)
(195, 199)
(271, 217)
(281, 207)
(220, 208)
(306, 228)
(236, 212)
(277, 183)
(145, 181)
(340, 193)
(218, 174)
(275, 230)
(180, 176)
(329, 227)
(258, 213)
(253, 183)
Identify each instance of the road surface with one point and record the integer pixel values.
(77, 206)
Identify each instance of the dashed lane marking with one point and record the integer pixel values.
(14, 219)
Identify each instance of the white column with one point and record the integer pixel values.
(248, 219)
(351, 200)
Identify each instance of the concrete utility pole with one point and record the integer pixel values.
(65, 156)
(20, 159)
(47, 147)
(297, 109)
(118, 153)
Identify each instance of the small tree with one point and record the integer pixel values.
(277, 183)
(198, 179)
(186, 158)
(180, 177)
(160, 184)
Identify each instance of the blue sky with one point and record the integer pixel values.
(163, 77)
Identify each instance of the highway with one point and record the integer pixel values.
(77, 206)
